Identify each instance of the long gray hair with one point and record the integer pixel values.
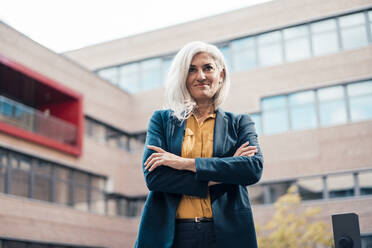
(177, 97)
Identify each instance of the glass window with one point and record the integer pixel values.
(81, 197)
(14, 244)
(353, 31)
(256, 194)
(270, 48)
(129, 77)
(332, 107)
(256, 118)
(278, 189)
(243, 54)
(340, 185)
(274, 115)
(360, 100)
(3, 166)
(310, 188)
(62, 192)
(365, 182)
(110, 74)
(20, 175)
(151, 74)
(226, 53)
(98, 202)
(370, 23)
(296, 43)
(324, 37)
(166, 66)
(62, 186)
(302, 110)
(98, 183)
(42, 181)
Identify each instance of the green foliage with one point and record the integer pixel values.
(292, 228)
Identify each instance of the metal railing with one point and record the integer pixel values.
(35, 121)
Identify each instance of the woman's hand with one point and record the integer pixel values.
(161, 157)
(245, 150)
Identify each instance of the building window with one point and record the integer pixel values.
(41, 182)
(365, 182)
(166, 63)
(276, 190)
(310, 188)
(256, 118)
(257, 194)
(324, 37)
(360, 100)
(275, 115)
(80, 190)
(3, 169)
(151, 72)
(270, 51)
(332, 106)
(340, 185)
(98, 200)
(225, 49)
(20, 175)
(110, 74)
(353, 31)
(129, 75)
(296, 43)
(62, 188)
(6, 243)
(243, 53)
(302, 110)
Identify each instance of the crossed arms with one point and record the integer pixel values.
(170, 173)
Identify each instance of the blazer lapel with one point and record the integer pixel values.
(220, 131)
(177, 131)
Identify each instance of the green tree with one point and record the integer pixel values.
(292, 228)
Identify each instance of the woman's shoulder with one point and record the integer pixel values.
(234, 116)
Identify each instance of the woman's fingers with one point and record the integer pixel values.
(151, 157)
(155, 148)
(248, 154)
(151, 163)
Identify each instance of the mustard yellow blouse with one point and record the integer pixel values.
(197, 143)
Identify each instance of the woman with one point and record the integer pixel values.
(198, 160)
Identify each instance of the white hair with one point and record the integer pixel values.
(177, 97)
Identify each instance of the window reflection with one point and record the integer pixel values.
(302, 110)
(332, 106)
(360, 100)
(226, 53)
(340, 185)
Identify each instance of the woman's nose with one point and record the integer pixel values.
(201, 75)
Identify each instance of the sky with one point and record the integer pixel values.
(64, 25)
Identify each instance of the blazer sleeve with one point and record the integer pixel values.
(164, 178)
(240, 170)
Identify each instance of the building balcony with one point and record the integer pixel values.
(35, 121)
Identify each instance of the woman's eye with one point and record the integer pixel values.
(192, 69)
(208, 68)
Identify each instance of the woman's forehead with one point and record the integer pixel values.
(202, 57)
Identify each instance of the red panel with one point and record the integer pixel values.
(61, 101)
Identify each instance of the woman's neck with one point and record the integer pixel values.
(204, 109)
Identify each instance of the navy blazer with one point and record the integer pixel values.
(233, 220)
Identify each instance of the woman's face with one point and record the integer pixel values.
(203, 79)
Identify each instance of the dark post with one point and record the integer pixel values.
(346, 231)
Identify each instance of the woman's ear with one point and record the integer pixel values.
(222, 75)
